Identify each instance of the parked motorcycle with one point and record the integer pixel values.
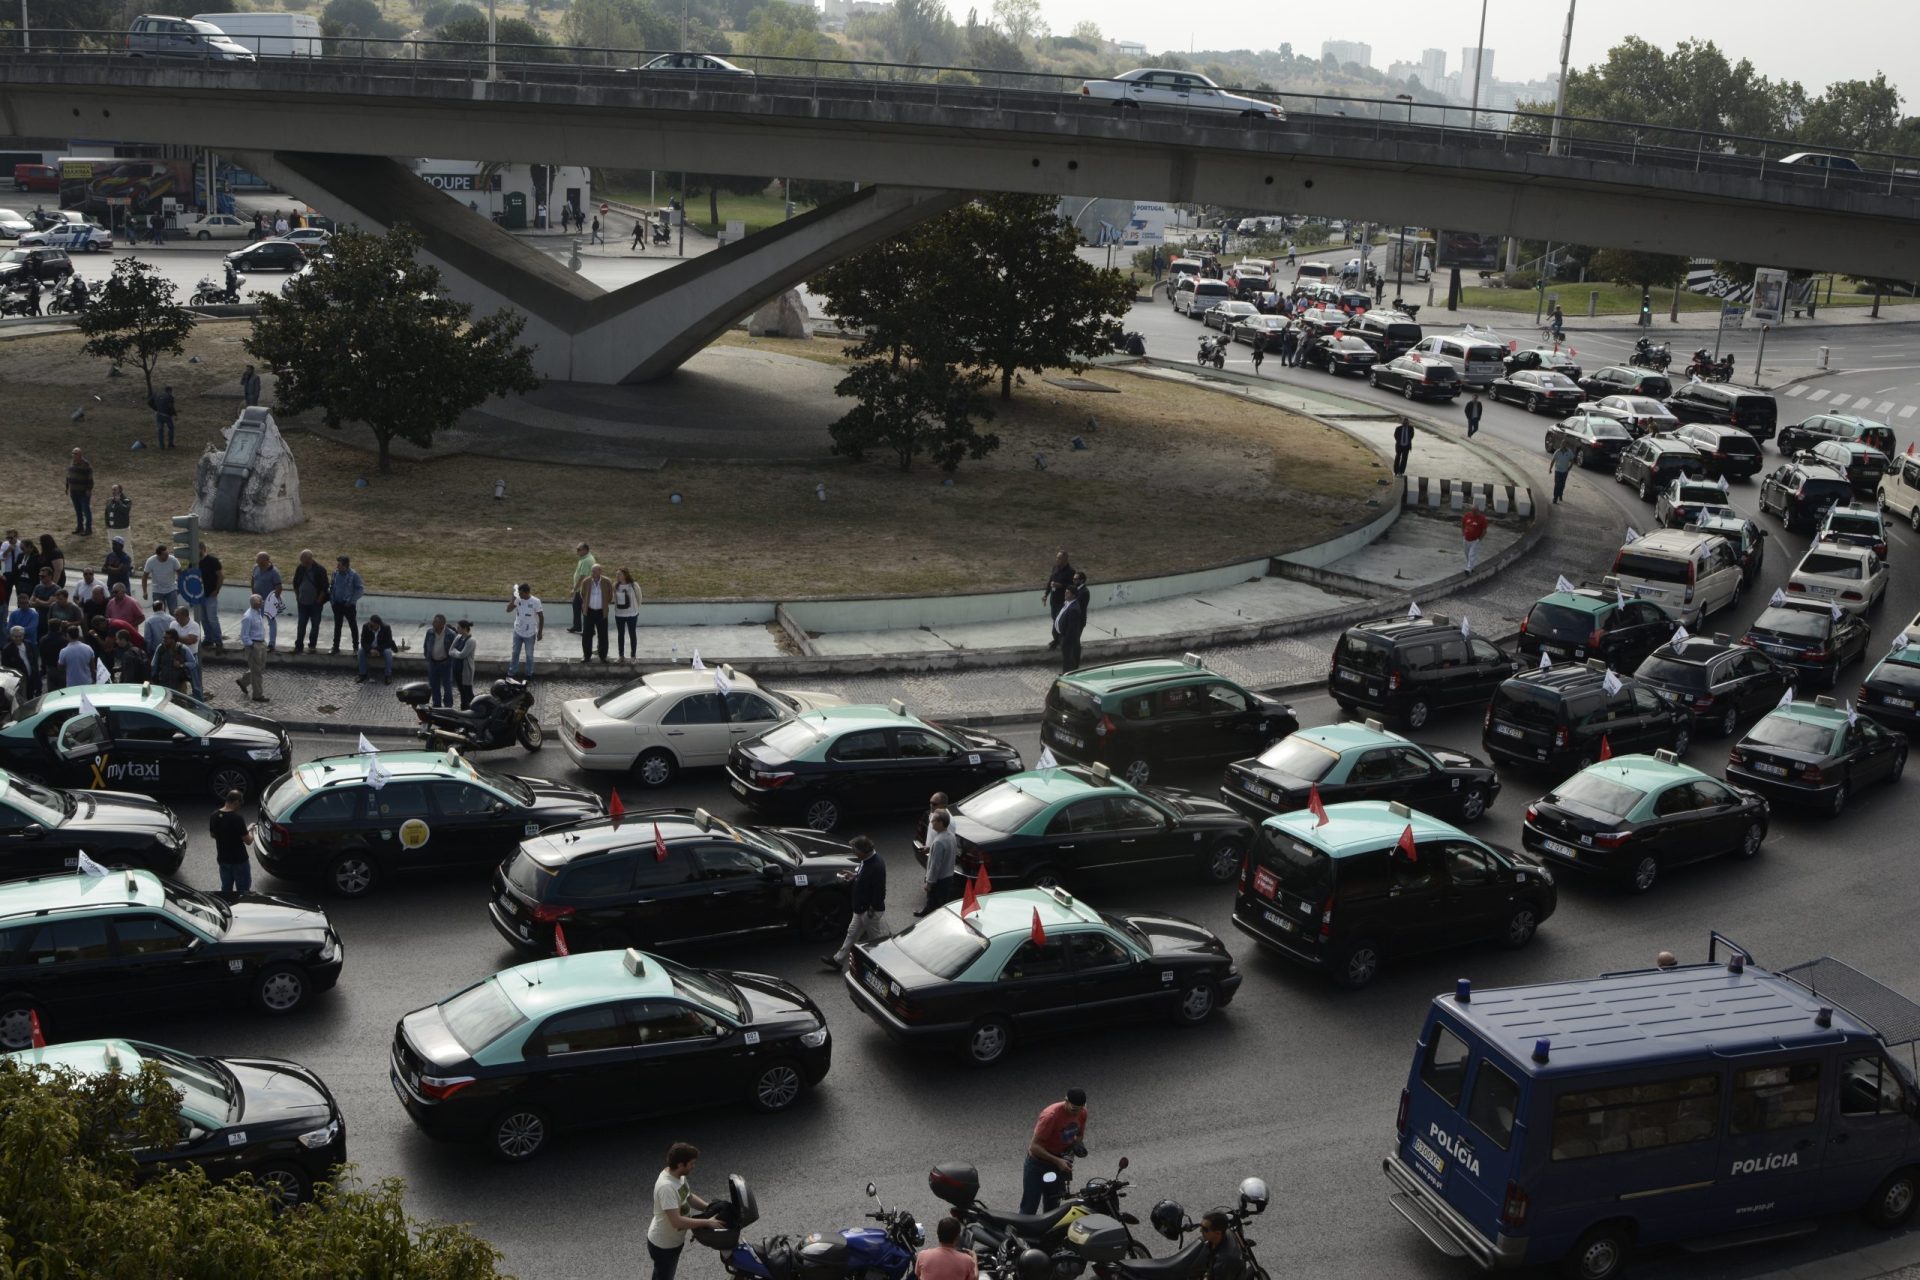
(19, 303)
(959, 1186)
(498, 718)
(1213, 351)
(1098, 1239)
(1707, 369)
(1650, 355)
(868, 1253)
(212, 293)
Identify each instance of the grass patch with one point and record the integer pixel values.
(1174, 479)
(1615, 300)
(758, 212)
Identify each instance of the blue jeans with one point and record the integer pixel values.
(440, 681)
(209, 608)
(1559, 484)
(273, 631)
(513, 663)
(236, 877)
(386, 656)
(82, 512)
(193, 674)
(171, 597)
(163, 428)
(1034, 1191)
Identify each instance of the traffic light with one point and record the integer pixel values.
(186, 539)
(1646, 309)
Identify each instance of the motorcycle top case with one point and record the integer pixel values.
(415, 693)
(957, 1184)
(1098, 1238)
(732, 1215)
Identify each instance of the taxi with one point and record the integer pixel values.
(1816, 755)
(1595, 622)
(1849, 576)
(1155, 715)
(45, 829)
(1891, 691)
(1360, 762)
(141, 738)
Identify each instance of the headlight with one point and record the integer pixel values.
(814, 1038)
(331, 951)
(317, 1138)
(264, 753)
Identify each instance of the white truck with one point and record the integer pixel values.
(270, 35)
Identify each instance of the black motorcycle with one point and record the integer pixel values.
(1190, 1261)
(1213, 351)
(498, 718)
(1648, 354)
(210, 292)
(1006, 1235)
(1707, 369)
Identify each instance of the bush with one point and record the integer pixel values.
(1520, 280)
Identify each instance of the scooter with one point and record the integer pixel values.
(1649, 355)
(1707, 369)
(1213, 351)
(1171, 1221)
(499, 717)
(869, 1253)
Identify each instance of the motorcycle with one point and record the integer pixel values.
(19, 303)
(498, 718)
(1213, 351)
(1649, 355)
(1009, 1233)
(70, 301)
(1707, 369)
(1100, 1241)
(870, 1253)
(209, 292)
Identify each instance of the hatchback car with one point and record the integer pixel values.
(1594, 622)
(1745, 407)
(1597, 441)
(13, 225)
(1891, 691)
(1409, 668)
(1747, 539)
(269, 255)
(52, 264)
(332, 822)
(1801, 493)
(1728, 453)
(1718, 682)
(142, 738)
(1850, 577)
(44, 830)
(1380, 880)
(76, 949)
(1030, 963)
(1626, 380)
(658, 724)
(1685, 501)
(1641, 415)
(1342, 762)
(1187, 90)
(1634, 817)
(1651, 463)
(580, 1042)
(1418, 377)
(1814, 639)
(1547, 360)
(1816, 755)
(1538, 391)
(264, 1118)
(1152, 716)
(1566, 718)
(1861, 463)
(1339, 353)
(1835, 426)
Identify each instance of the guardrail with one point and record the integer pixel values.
(1338, 117)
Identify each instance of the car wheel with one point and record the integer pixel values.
(1406, 389)
(1644, 873)
(1357, 965)
(1533, 404)
(353, 873)
(824, 916)
(1750, 839)
(1473, 804)
(1838, 805)
(280, 988)
(1138, 772)
(1195, 1004)
(1682, 739)
(1043, 876)
(1913, 517)
(1222, 863)
(654, 768)
(1417, 713)
(287, 1184)
(1729, 722)
(230, 778)
(989, 1041)
(1646, 491)
(519, 1133)
(1892, 1204)
(1600, 1254)
(16, 1025)
(823, 814)
(532, 736)
(777, 1086)
(203, 236)
(1521, 926)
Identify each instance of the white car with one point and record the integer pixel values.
(1854, 578)
(1641, 415)
(219, 226)
(307, 235)
(705, 62)
(1156, 87)
(74, 237)
(1686, 500)
(13, 226)
(662, 723)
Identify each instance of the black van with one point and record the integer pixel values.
(1557, 719)
(1388, 332)
(1411, 667)
(1729, 406)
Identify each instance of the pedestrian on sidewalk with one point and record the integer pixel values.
(672, 1198)
(117, 565)
(376, 637)
(309, 590)
(626, 614)
(1070, 621)
(596, 597)
(869, 901)
(267, 585)
(228, 827)
(639, 235)
(465, 649)
(1402, 446)
(1473, 527)
(438, 648)
(529, 627)
(596, 237)
(1473, 415)
(253, 641)
(1059, 583)
(191, 639)
(1259, 351)
(163, 410)
(212, 575)
(943, 871)
(344, 590)
(80, 491)
(249, 387)
(582, 570)
(1561, 463)
(280, 225)
(160, 577)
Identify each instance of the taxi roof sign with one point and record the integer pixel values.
(1191, 660)
(896, 706)
(634, 962)
(1100, 772)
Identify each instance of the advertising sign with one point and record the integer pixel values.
(1468, 250)
(1769, 294)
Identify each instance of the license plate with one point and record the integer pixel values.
(1070, 740)
(399, 1089)
(1430, 1157)
(1823, 592)
(1772, 770)
(1351, 677)
(1557, 650)
(1281, 922)
(739, 787)
(1564, 850)
(1507, 731)
(1905, 704)
(873, 982)
(506, 904)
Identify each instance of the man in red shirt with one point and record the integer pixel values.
(1473, 527)
(1060, 1128)
(944, 1261)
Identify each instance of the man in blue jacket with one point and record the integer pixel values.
(869, 902)
(343, 593)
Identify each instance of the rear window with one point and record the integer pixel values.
(1803, 623)
(1002, 807)
(942, 944)
(1559, 622)
(1831, 566)
(1742, 444)
(1597, 793)
(1485, 355)
(1790, 734)
(791, 738)
(1871, 463)
(621, 703)
(1403, 332)
(278, 799)
(1607, 429)
(1527, 704)
(1495, 1099)
(1857, 526)
(1439, 371)
(480, 1015)
(1296, 757)
(528, 876)
(1655, 385)
(1680, 675)
(1646, 568)
(1826, 490)
(1754, 409)
(1300, 867)
(1363, 653)
(1072, 699)
(1211, 289)
(1443, 1068)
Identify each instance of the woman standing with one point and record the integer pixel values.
(626, 613)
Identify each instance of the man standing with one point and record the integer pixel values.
(943, 851)
(1069, 622)
(438, 649)
(76, 660)
(581, 570)
(253, 641)
(228, 827)
(162, 405)
(596, 238)
(465, 649)
(1561, 463)
(249, 387)
(266, 582)
(869, 901)
(309, 590)
(1059, 582)
(529, 627)
(1060, 1128)
(80, 490)
(18, 657)
(212, 574)
(667, 1233)
(1289, 345)
(123, 608)
(1473, 527)
(160, 577)
(1402, 446)
(10, 555)
(159, 622)
(117, 565)
(595, 598)
(1473, 415)
(168, 667)
(191, 638)
(344, 593)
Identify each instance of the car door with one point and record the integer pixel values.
(734, 888)
(1080, 836)
(642, 899)
(1761, 681)
(159, 965)
(1234, 727)
(1489, 667)
(1370, 776)
(1872, 1130)
(81, 754)
(151, 752)
(685, 1054)
(1035, 987)
(1109, 983)
(1412, 916)
(1872, 751)
(1651, 724)
(1848, 639)
(29, 849)
(1144, 832)
(748, 714)
(391, 809)
(1648, 627)
(1672, 835)
(1719, 820)
(1449, 679)
(1475, 891)
(926, 762)
(696, 729)
(858, 764)
(1179, 714)
(67, 966)
(584, 1066)
(471, 826)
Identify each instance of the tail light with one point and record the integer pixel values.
(1393, 681)
(1400, 1116)
(1702, 701)
(1736, 756)
(1850, 595)
(771, 781)
(1326, 917)
(1560, 736)
(1595, 636)
(1692, 569)
(1796, 587)
(1810, 773)
(1333, 659)
(1814, 655)
(1533, 811)
(1106, 726)
(1523, 626)
(440, 1088)
(547, 913)
(1611, 839)
(1513, 1209)
(582, 741)
(279, 837)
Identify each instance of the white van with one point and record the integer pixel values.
(1688, 573)
(1900, 490)
(270, 35)
(1477, 360)
(1194, 296)
(1309, 274)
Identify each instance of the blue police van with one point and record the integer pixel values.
(1708, 1105)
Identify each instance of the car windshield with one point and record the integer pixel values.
(205, 1088)
(1347, 343)
(480, 1015)
(943, 944)
(1789, 734)
(704, 988)
(506, 784)
(1591, 791)
(203, 909)
(1667, 671)
(1120, 924)
(1710, 493)
(190, 715)
(1299, 758)
(1805, 624)
(1001, 807)
(791, 738)
(45, 806)
(621, 703)
(1831, 566)
(18, 255)
(1653, 407)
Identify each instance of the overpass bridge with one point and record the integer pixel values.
(324, 127)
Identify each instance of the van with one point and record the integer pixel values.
(1688, 573)
(36, 177)
(1195, 296)
(1718, 1102)
(1184, 267)
(1900, 490)
(1310, 273)
(1730, 406)
(1477, 360)
(1391, 333)
(1409, 668)
(1563, 718)
(270, 35)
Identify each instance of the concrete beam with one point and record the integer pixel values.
(579, 331)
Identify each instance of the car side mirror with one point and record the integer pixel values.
(178, 736)
(768, 871)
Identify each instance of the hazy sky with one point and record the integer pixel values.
(1814, 43)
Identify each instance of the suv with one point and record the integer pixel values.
(1835, 426)
(1477, 360)
(1690, 573)
(1900, 490)
(1594, 622)
(1744, 407)
(1626, 380)
(1564, 718)
(1650, 462)
(1891, 692)
(1861, 463)
(1801, 493)
(1344, 895)
(1158, 713)
(1717, 682)
(53, 263)
(1747, 539)
(1391, 333)
(1411, 667)
(1728, 453)
(167, 37)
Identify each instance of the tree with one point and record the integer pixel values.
(619, 24)
(465, 37)
(1020, 19)
(1852, 115)
(74, 1204)
(1694, 87)
(1089, 31)
(135, 316)
(352, 18)
(913, 407)
(1628, 266)
(367, 336)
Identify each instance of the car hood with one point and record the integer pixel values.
(241, 729)
(118, 811)
(977, 741)
(772, 1001)
(265, 917)
(1452, 759)
(818, 852)
(1172, 935)
(813, 699)
(275, 1092)
(1190, 803)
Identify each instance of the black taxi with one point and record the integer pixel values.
(135, 737)
(1155, 715)
(1409, 668)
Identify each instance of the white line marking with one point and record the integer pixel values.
(1821, 394)
(1884, 408)
(1863, 402)
(1797, 389)
(1907, 412)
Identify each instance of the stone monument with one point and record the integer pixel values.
(252, 485)
(781, 317)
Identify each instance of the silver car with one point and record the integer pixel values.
(1158, 87)
(157, 35)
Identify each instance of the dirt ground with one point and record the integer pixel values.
(1172, 478)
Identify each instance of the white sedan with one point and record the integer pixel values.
(307, 236)
(1641, 415)
(703, 62)
(1852, 578)
(1156, 87)
(219, 226)
(662, 723)
(74, 237)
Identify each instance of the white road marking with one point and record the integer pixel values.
(1907, 412)
(1884, 408)
(1863, 402)
(1821, 394)
(1797, 389)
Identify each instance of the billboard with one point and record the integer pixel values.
(1468, 250)
(1769, 294)
(96, 185)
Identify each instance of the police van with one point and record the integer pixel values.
(1714, 1104)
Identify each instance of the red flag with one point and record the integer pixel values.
(1606, 748)
(1314, 806)
(617, 809)
(1909, 448)
(1039, 933)
(39, 1040)
(659, 845)
(969, 901)
(1407, 846)
(981, 885)
(559, 940)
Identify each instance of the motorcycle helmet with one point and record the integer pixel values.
(1253, 1195)
(1033, 1264)
(1167, 1218)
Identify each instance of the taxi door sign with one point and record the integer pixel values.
(413, 833)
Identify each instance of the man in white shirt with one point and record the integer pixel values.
(160, 577)
(190, 637)
(529, 626)
(667, 1233)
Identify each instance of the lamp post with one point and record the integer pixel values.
(1408, 99)
(493, 63)
(1560, 98)
(1479, 56)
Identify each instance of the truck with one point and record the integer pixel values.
(271, 35)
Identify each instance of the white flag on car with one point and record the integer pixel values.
(1561, 584)
(1465, 630)
(720, 681)
(377, 775)
(697, 664)
(1546, 663)
(367, 748)
(1680, 635)
(88, 867)
(1786, 699)
(1046, 760)
(1413, 610)
(1778, 598)
(1610, 682)
(1633, 534)
(1853, 714)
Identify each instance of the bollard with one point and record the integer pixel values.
(1823, 356)
(1593, 304)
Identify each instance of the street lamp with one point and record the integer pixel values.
(1408, 99)
(493, 65)
(1479, 56)
(1560, 99)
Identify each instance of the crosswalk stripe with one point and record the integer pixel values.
(1907, 412)
(1863, 402)
(1821, 394)
(1797, 389)
(1884, 408)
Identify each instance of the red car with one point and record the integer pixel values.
(36, 177)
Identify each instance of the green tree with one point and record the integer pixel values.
(913, 407)
(368, 336)
(353, 18)
(1628, 266)
(464, 36)
(781, 30)
(1088, 32)
(1020, 19)
(1852, 115)
(619, 24)
(136, 315)
(74, 1205)
(1694, 87)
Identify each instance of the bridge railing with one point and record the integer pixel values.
(1342, 118)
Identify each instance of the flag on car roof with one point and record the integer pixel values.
(981, 885)
(87, 866)
(1465, 630)
(1633, 534)
(1407, 845)
(659, 844)
(1606, 748)
(1853, 718)
(721, 684)
(1314, 806)
(1546, 662)
(559, 940)
(1413, 610)
(969, 900)
(1610, 682)
(1039, 930)
(1561, 584)
(1786, 699)
(377, 775)
(86, 706)
(616, 809)
(697, 664)
(1680, 634)
(1778, 598)
(1046, 760)
(367, 748)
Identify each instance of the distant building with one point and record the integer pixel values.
(484, 191)
(1406, 71)
(1127, 48)
(834, 13)
(1345, 51)
(1468, 60)
(1433, 68)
